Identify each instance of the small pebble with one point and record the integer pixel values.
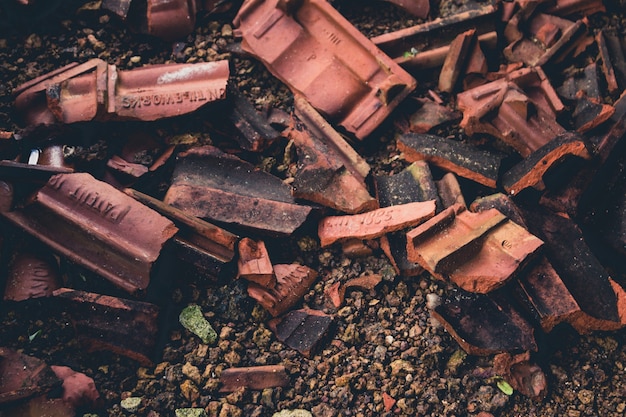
(131, 404)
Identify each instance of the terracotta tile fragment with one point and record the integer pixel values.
(32, 275)
(322, 176)
(79, 390)
(530, 171)
(292, 282)
(356, 248)
(388, 402)
(485, 324)
(254, 378)
(96, 90)
(501, 202)
(125, 327)
(589, 114)
(418, 8)
(476, 68)
(254, 263)
(170, 19)
(606, 64)
(479, 252)
(374, 223)
(584, 276)
(426, 45)
(210, 184)
(23, 376)
(449, 191)
(131, 169)
(372, 84)
(413, 184)
(570, 7)
(548, 299)
(458, 157)
(302, 329)
(523, 375)
(455, 61)
(109, 232)
(616, 51)
(430, 115)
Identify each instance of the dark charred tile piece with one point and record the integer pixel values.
(606, 64)
(426, 45)
(210, 184)
(98, 227)
(570, 7)
(546, 297)
(23, 376)
(478, 252)
(23, 172)
(586, 83)
(203, 245)
(254, 263)
(501, 202)
(530, 171)
(32, 275)
(589, 114)
(96, 90)
(333, 65)
(431, 115)
(616, 50)
(374, 223)
(601, 299)
(485, 324)
(254, 378)
(302, 329)
(327, 177)
(250, 128)
(413, 184)
(461, 158)
(292, 282)
(102, 322)
(449, 191)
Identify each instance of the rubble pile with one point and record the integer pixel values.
(537, 153)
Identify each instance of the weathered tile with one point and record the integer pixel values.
(254, 263)
(254, 378)
(302, 329)
(23, 376)
(32, 275)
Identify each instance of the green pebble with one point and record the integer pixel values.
(191, 412)
(192, 319)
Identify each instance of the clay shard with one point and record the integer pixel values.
(32, 275)
(79, 390)
(254, 263)
(455, 61)
(302, 329)
(606, 64)
(479, 252)
(102, 322)
(426, 45)
(253, 377)
(485, 324)
(292, 282)
(461, 158)
(501, 202)
(597, 295)
(374, 223)
(431, 115)
(210, 184)
(415, 183)
(418, 8)
(98, 227)
(449, 191)
(23, 376)
(96, 90)
(170, 19)
(523, 375)
(313, 49)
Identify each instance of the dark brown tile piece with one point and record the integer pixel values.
(292, 282)
(254, 378)
(449, 191)
(170, 19)
(485, 324)
(125, 327)
(32, 275)
(302, 329)
(478, 252)
(606, 64)
(254, 263)
(23, 376)
(210, 184)
(339, 71)
(418, 8)
(461, 158)
(98, 227)
(501, 202)
(455, 62)
(524, 376)
(431, 115)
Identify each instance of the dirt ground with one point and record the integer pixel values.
(383, 341)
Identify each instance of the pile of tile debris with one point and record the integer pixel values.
(519, 258)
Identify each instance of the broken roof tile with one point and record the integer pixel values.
(374, 223)
(418, 8)
(98, 227)
(478, 252)
(606, 64)
(253, 377)
(331, 52)
(254, 263)
(449, 191)
(210, 184)
(455, 61)
(523, 375)
(96, 90)
(431, 115)
(103, 322)
(32, 275)
(302, 329)
(459, 157)
(292, 282)
(23, 376)
(485, 324)
(503, 203)
(170, 19)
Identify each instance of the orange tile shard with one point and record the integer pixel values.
(315, 51)
(96, 90)
(479, 252)
(374, 223)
